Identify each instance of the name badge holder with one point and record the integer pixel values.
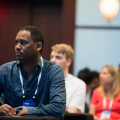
(106, 113)
(30, 103)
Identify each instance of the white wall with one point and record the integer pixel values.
(95, 48)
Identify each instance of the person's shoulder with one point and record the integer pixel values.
(47, 65)
(76, 80)
(4, 68)
(96, 90)
(97, 94)
(9, 64)
(53, 70)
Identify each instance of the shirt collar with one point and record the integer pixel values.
(39, 65)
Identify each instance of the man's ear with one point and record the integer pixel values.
(39, 46)
(69, 62)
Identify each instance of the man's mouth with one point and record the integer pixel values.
(18, 53)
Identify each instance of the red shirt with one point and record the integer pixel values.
(97, 100)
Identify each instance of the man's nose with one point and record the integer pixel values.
(18, 46)
(53, 59)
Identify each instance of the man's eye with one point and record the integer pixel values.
(16, 42)
(58, 57)
(23, 42)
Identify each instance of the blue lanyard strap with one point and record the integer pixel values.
(39, 77)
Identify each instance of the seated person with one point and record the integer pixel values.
(62, 54)
(91, 78)
(32, 82)
(105, 102)
(95, 79)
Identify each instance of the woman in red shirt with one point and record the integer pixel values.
(105, 102)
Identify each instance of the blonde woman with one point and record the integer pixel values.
(105, 102)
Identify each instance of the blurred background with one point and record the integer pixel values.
(78, 23)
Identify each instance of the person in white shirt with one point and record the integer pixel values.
(62, 54)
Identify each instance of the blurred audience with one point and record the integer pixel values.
(62, 54)
(105, 102)
(91, 78)
(94, 79)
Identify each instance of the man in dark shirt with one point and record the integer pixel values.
(32, 82)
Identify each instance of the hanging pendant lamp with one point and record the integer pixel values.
(109, 8)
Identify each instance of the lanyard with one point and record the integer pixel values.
(39, 77)
(104, 103)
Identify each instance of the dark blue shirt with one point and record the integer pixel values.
(50, 98)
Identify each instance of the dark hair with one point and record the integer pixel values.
(85, 75)
(94, 74)
(36, 34)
